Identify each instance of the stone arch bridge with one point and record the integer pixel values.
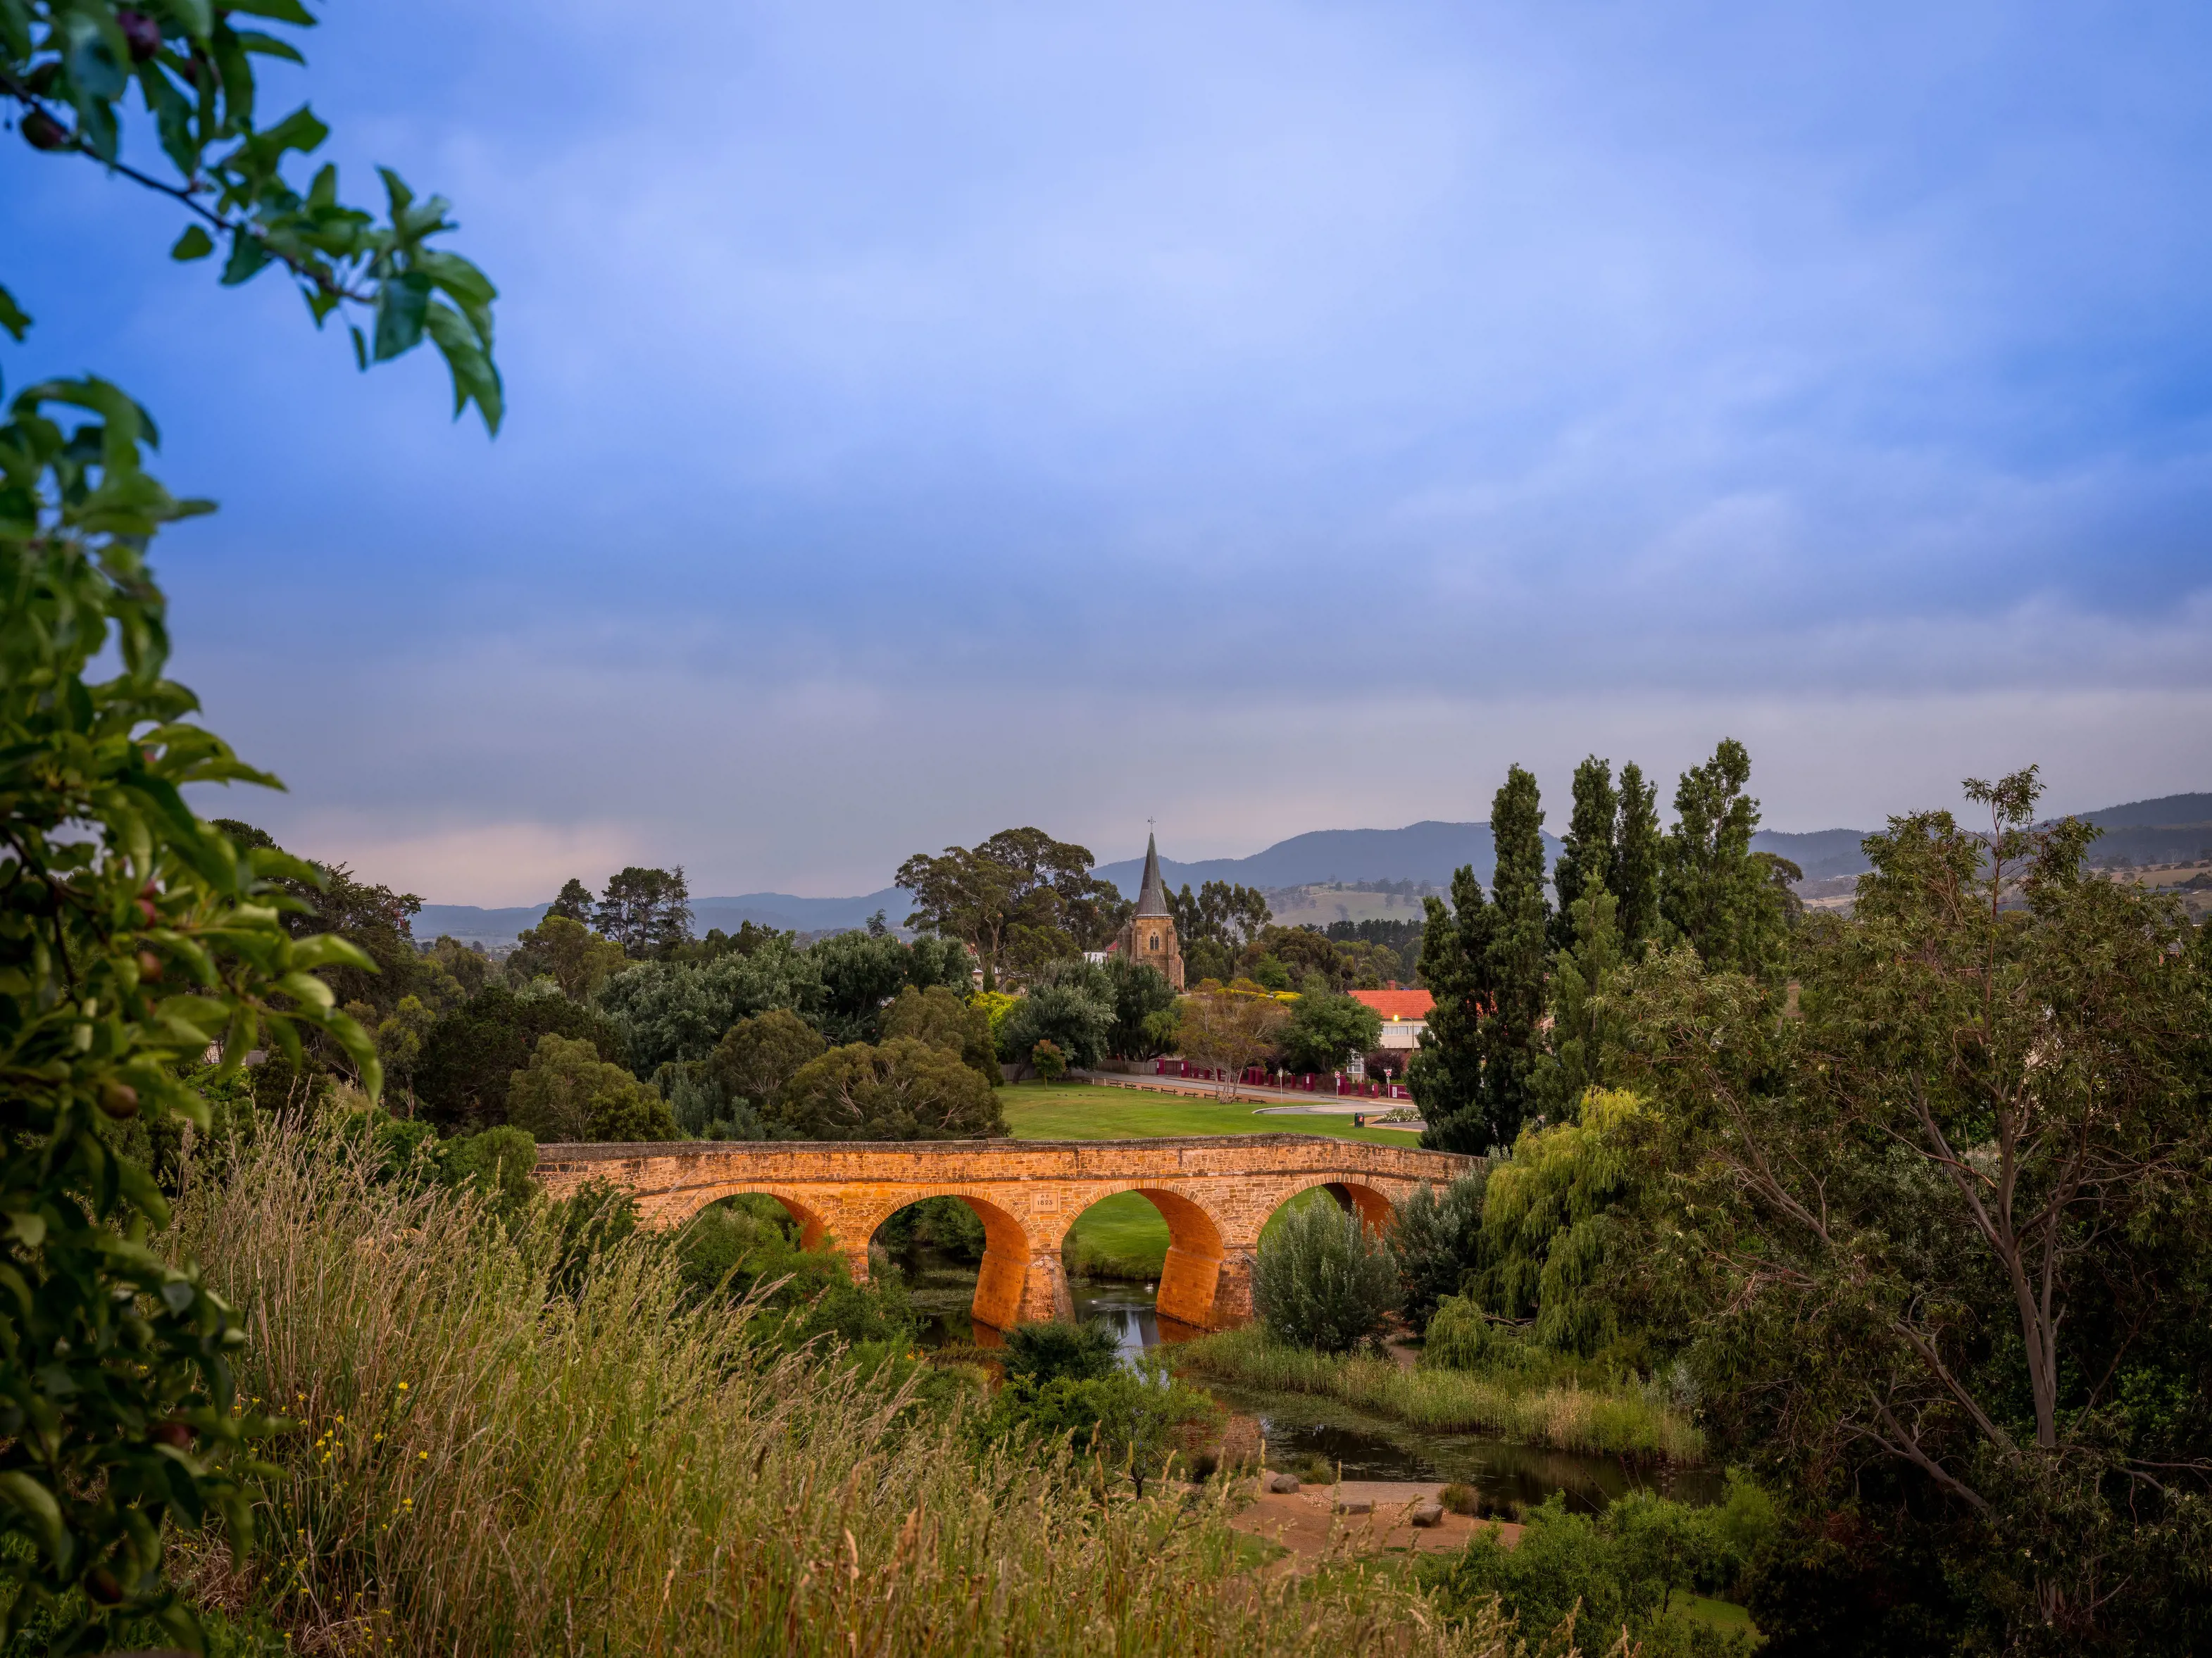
(1215, 1193)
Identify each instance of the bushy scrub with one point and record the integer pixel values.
(569, 1093)
(1324, 1280)
(1043, 1351)
(1072, 1005)
(1047, 1060)
(742, 1254)
(1125, 1421)
(1525, 1402)
(1437, 1237)
(1623, 1570)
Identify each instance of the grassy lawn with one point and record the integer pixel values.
(1083, 1111)
(1720, 1614)
(1123, 1237)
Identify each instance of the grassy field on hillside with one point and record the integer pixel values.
(1085, 1111)
(1123, 1237)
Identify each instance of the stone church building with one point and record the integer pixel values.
(1149, 936)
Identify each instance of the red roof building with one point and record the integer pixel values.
(1405, 1014)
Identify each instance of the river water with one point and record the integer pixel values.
(1362, 1445)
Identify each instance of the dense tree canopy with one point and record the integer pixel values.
(470, 1057)
(1326, 1029)
(1020, 900)
(648, 912)
(568, 1092)
(900, 1089)
(1951, 1223)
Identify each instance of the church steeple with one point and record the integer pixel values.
(1152, 896)
(1148, 937)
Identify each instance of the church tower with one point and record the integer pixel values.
(1149, 936)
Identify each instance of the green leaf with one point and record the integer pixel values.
(194, 243)
(268, 46)
(92, 61)
(247, 256)
(197, 15)
(12, 317)
(401, 302)
(475, 377)
(284, 11)
(306, 989)
(37, 1504)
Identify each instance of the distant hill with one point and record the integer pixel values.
(1428, 851)
(786, 912)
(1822, 854)
(2168, 811)
(2172, 828)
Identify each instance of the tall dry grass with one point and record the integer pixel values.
(1626, 1421)
(489, 1467)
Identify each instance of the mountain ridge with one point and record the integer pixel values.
(2164, 829)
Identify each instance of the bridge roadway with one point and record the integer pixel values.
(1215, 1193)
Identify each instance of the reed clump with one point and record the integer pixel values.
(499, 1456)
(1629, 1421)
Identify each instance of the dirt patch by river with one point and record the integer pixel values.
(1305, 1523)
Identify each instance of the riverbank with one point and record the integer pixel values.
(1620, 1421)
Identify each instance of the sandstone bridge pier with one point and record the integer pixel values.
(1215, 1193)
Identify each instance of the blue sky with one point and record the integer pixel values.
(1258, 418)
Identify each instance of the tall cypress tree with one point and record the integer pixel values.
(1723, 900)
(1446, 1075)
(1586, 854)
(1520, 930)
(1638, 863)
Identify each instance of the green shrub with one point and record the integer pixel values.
(1457, 1498)
(1438, 1239)
(1625, 1569)
(1128, 1418)
(1050, 1063)
(1041, 1352)
(743, 1250)
(587, 1224)
(1324, 1280)
(1460, 1336)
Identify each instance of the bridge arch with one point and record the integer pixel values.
(1004, 1293)
(1371, 1204)
(1190, 1274)
(814, 1225)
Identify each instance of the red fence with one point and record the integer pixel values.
(1339, 1084)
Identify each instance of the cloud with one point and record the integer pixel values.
(1265, 416)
